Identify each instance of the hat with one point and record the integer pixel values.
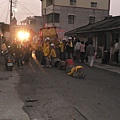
(52, 45)
(47, 38)
(70, 38)
(64, 39)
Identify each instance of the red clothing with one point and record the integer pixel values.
(69, 62)
(82, 48)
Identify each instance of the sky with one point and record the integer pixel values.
(27, 8)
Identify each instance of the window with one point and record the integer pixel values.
(48, 2)
(32, 22)
(71, 19)
(94, 4)
(53, 18)
(73, 2)
(91, 19)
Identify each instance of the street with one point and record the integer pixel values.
(49, 94)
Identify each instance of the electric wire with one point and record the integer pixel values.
(3, 2)
(26, 8)
(3, 12)
(7, 13)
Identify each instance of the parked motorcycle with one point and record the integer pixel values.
(8, 61)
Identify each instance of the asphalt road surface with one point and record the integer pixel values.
(50, 94)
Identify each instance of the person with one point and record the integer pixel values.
(82, 51)
(77, 49)
(62, 49)
(77, 72)
(116, 50)
(52, 53)
(19, 56)
(86, 57)
(69, 64)
(90, 51)
(46, 50)
(69, 48)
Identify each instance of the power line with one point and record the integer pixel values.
(8, 12)
(26, 8)
(3, 11)
(4, 2)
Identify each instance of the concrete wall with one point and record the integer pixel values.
(81, 16)
(82, 11)
(101, 4)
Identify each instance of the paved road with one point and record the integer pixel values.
(49, 94)
(10, 103)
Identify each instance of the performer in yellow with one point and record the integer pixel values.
(77, 71)
(52, 53)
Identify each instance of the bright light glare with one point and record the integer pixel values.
(23, 35)
(15, 9)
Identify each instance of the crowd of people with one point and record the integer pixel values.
(64, 49)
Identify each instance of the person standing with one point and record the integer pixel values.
(90, 51)
(69, 48)
(82, 51)
(62, 49)
(116, 50)
(77, 49)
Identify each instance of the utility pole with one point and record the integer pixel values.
(11, 14)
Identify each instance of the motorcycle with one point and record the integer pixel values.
(8, 61)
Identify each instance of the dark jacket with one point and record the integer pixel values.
(90, 50)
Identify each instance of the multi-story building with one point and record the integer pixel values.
(33, 23)
(70, 14)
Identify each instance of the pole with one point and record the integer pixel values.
(10, 18)
(53, 12)
(10, 11)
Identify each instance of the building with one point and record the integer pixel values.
(69, 14)
(103, 33)
(32, 23)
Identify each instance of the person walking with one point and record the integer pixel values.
(90, 51)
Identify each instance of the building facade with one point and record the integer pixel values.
(70, 14)
(32, 23)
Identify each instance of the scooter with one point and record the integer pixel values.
(8, 61)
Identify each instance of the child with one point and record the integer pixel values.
(77, 72)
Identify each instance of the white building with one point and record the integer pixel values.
(70, 14)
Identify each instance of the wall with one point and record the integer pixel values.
(101, 4)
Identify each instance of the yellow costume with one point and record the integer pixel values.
(52, 53)
(61, 46)
(46, 51)
(74, 69)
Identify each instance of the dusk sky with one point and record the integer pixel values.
(27, 8)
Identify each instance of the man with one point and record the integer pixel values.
(69, 48)
(90, 52)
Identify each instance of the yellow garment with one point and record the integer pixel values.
(45, 45)
(74, 70)
(52, 53)
(41, 47)
(61, 46)
(36, 46)
(71, 45)
(46, 51)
